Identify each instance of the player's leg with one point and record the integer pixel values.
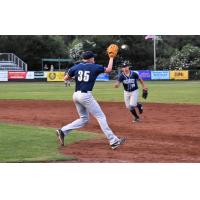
(133, 105)
(129, 102)
(140, 107)
(83, 120)
(79, 123)
(65, 130)
(94, 108)
(127, 99)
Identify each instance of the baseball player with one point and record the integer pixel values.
(85, 75)
(130, 79)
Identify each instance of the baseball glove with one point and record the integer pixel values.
(144, 93)
(112, 50)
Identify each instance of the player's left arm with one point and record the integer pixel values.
(144, 87)
(100, 69)
(110, 66)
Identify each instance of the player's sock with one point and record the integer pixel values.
(140, 108)
(133, 111)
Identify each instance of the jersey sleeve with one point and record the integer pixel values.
(71, 71)
(120, 78)
(136, 76)
(100, 69)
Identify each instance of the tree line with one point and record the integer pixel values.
(173, 51)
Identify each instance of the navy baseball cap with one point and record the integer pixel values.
(126, 64)
(88, 54)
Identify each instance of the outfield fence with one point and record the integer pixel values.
(194, 75)
(163, 75)
(57, 76)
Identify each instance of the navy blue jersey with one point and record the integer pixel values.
(85, 75)
(129, 82)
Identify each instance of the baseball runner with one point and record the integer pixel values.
(129, 80)
(85, 74)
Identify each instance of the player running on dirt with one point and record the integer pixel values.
(129, 80)
(85, 75)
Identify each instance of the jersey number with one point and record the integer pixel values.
(83, 76)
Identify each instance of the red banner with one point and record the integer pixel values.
(17, 75)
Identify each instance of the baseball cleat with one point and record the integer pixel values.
(136, 120)
(60, 136)
(119, 142)
(140, 108)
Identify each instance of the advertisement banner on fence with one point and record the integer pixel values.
(103, 77)
(17, 75)
(30, 75)
(55, 76)
(145, 74)
(39, 74)
(45, 74)
(179, 75)
(3, 75)
(159, 75)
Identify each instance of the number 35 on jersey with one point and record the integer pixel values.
(83, 75)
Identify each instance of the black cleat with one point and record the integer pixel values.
(140, 108)
(119, 142)
(60, 136)
(137, 119)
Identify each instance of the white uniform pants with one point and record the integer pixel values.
(85, 104)
(131, 98)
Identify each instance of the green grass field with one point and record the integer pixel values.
(159, 91)
(38, 144)
(34, 144)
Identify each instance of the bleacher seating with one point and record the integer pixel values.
(11, 62)
(9, 66)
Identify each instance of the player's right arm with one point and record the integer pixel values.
(69, 74)
(67, 77)
(119, 80)
(117, 84)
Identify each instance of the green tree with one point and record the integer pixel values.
(186, 58)
(171, 51)
(139, 53)
(32, 49)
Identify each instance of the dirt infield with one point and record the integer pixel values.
(166, 133)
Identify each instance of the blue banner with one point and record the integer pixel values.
(103, 77)
(145, 74)
(160, 75)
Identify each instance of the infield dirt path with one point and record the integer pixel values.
(166, 133)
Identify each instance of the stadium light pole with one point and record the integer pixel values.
(154, 52)
(154, 38)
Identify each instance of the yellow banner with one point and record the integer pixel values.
(55, 76)
(179, 75)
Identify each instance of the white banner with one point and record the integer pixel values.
(45, 74)
(159, 75)
(3, 75)
(30, 75)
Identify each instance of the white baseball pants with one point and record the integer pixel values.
(131, 98)
(85, 104)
